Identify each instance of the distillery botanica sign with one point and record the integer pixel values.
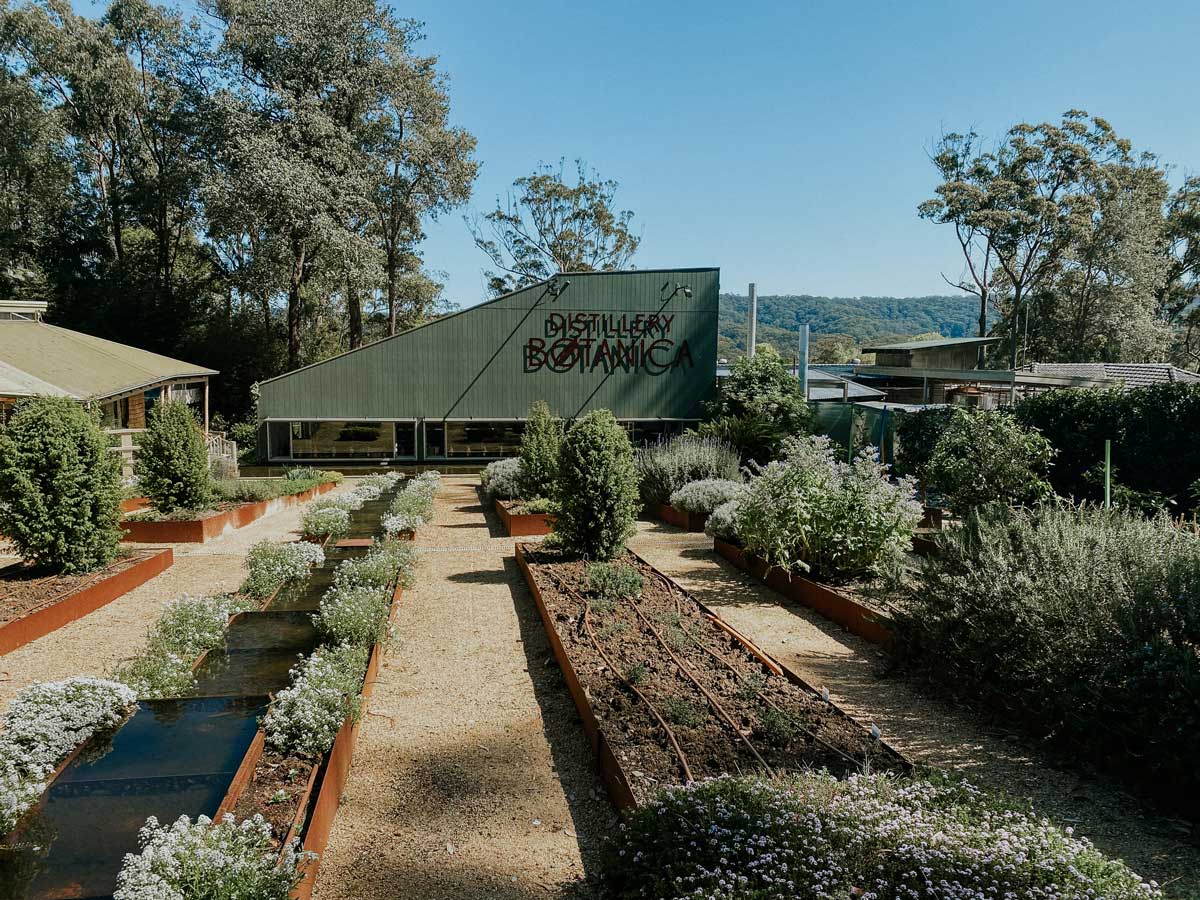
(607, 342)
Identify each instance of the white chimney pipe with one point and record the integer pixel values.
(753, 319)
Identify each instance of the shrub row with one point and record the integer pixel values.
(1083, 623)
(666, 467)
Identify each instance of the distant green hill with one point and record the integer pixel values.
(848, 320)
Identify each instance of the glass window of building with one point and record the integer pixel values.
(343, 440)
(435, 440)
(406, 440)
(483, 440)
(279, 440)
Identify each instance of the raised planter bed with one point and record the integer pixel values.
(94, 592)
(677, 517)
(134, 504)
(669, 692)
(315, 790)
(837, 606)
(197, 531)
(523, 524)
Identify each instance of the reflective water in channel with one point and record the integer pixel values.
(172, 757)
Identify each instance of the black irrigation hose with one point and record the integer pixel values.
(587, 624)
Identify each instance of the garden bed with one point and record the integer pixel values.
(669, 693)
(299, 796)
(213, 524)
(522, 524)
(32, 606)
(852, 613)
(664, 512)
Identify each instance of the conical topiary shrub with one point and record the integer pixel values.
(597, 488)
(173, 460)
(60, 486)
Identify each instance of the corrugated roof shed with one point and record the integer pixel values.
(1131, 374)
(929, 345)
(36, 358)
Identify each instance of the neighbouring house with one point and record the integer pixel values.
(123, 383)
(1125, 375)
(944, 371)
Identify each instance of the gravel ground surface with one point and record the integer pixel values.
(926, 728)
(472, 777)
(95, 643)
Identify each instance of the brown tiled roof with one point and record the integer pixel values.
(1132, 374)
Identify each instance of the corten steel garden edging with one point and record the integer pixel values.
(610, 768)
(135, 504)
(692, 522)
(523, 524)
(199, 531)
(855, 617)
(41, 622)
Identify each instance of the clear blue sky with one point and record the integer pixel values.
(786, 142)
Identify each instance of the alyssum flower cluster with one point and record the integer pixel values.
(413, 506)
(43, 725)
(270, 566)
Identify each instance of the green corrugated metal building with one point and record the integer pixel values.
(642, 343)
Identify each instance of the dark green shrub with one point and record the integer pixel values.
(540, 444)
(1153, 433)
(173, 461)
(988, 457)
(611, 581)
(665, 468)
(1084, 623)
(870, 835)
(752, 436)
(763, 392)
(597, 489)
(917, 434)
(60, 486)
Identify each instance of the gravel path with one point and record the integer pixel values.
(94, 644)
(926, 728)
(472, 777)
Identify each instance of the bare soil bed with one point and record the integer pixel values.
(679, 697)
(275, 791)
(25, 588)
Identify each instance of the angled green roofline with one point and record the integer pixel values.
(642, 343)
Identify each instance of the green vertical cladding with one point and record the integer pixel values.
(628, 341)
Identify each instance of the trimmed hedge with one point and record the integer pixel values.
(60, 486)
(597, 488)
(173, 461)
(1153, 432)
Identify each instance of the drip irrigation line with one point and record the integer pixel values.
(716, 704)
(587, 624)
(673, 588)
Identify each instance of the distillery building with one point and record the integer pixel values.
(642, 343)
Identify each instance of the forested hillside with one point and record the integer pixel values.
(837, 324)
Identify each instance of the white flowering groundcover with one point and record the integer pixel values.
(269, 566)
(43, 726)
(869, 837)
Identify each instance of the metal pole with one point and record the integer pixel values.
(802, 363)
(753, 319)
(1108, 474)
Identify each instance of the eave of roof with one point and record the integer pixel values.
(932, 345)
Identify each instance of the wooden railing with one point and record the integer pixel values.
(222, 452)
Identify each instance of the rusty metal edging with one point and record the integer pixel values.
(28, 628)
(690, 522)
(523, 524)
(614, 776)
(840, 609)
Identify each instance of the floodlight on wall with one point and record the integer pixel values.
(685, 289)
(556, 287)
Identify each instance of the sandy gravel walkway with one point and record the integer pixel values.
(925, 728)
(95, 643)
(472, 777)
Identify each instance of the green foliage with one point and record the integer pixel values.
(536, 506)
(860, 319)
(60, 487)
(186, 628)
(540, 444)
(917, 435)
(324, 521)
(665, 468)
(173, 460)
(722, 522)
(763, 390)
(742, 838)
(813, 514)
(502, 479)
(678, 711)
(614, 581)
(550, 226)
(597, 489)
(1153, 434)
(252, 490)
(700, 498)
(1079, 621)
(987, 456)
(305, 717)
(752, 436)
